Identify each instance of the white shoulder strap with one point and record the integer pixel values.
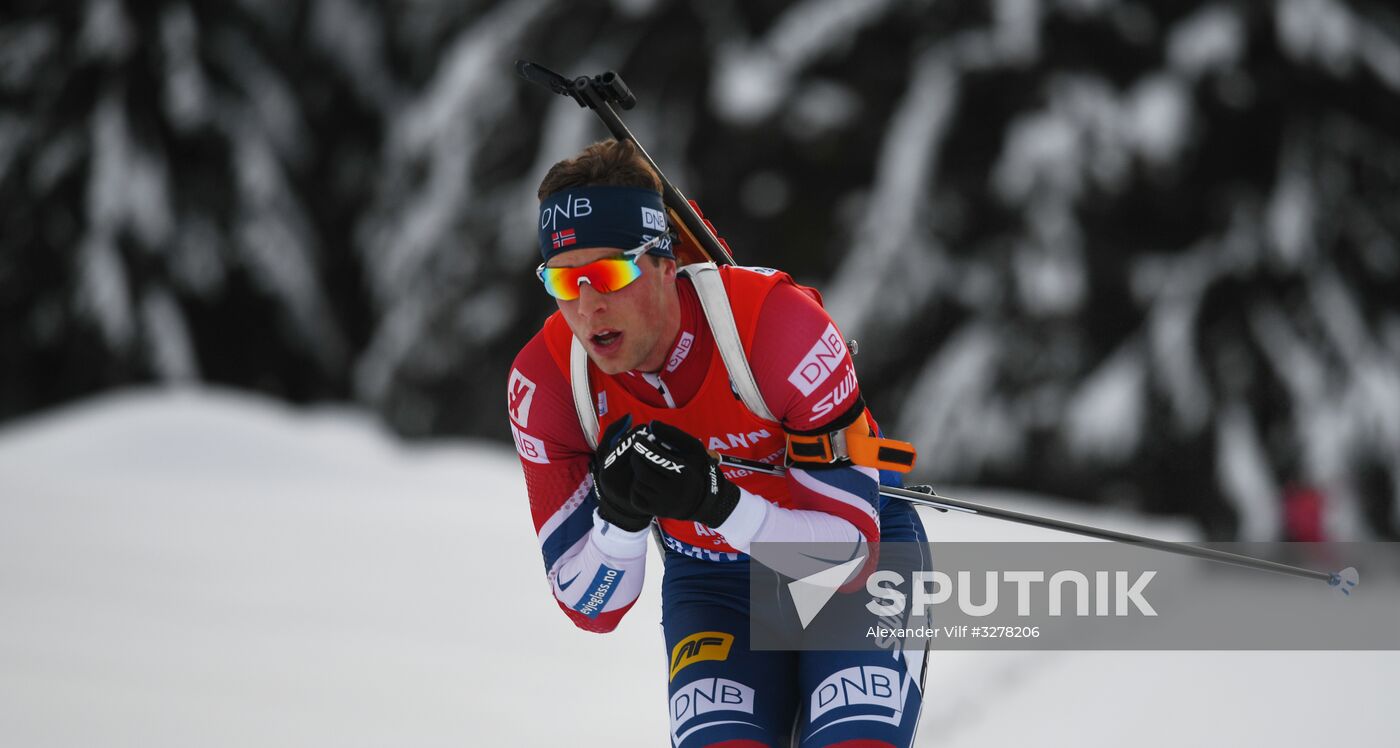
(715, 301)
(583, 394)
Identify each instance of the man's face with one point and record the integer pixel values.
(629, 328)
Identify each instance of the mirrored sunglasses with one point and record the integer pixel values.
(604, 276)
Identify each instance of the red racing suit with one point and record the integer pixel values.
(805, 376)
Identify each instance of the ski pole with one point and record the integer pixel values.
(1345, 580)
(599, 93)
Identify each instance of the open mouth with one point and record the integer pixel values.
(606, 338)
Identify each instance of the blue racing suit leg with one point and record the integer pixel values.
(865, 699)
(721, 693)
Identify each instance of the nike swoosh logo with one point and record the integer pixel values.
(565, 585)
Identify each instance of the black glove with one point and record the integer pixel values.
(612, 476)
(674, 476)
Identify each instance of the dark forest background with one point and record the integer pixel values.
(1129, 252)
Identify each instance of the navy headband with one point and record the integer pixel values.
(589, 217)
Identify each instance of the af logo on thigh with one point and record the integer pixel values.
(705, 645)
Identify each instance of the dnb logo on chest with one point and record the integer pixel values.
(682, 350)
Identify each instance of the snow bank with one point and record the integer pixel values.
(206, 568)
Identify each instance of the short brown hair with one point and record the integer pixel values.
(616, 163)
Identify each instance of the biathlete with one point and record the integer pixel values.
(619, 406)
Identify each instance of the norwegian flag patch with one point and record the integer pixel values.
(563, 238)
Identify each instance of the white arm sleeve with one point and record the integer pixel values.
(758, 520)
(603, 571)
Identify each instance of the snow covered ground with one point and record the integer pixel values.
(215, 569)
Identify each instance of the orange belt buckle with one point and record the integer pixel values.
(811, 450)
